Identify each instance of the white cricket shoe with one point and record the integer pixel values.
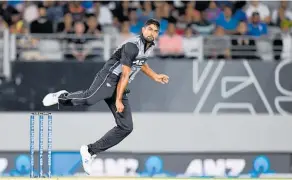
(87, 159)
(52, 98)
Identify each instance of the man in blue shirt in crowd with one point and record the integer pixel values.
(256, 27)
(226, 20)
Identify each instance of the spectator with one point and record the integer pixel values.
(281, 14)
(103, 14)
(42, 24)
(256, 27)
(242, 46)
(30, 12)
(135, 25)
(212, 12)
(282, 44)
(262, 9)
(6, 12)
(227, 21)
(167, 10)
(76, 10)
(78, 44)
(239, 11)
(124, 32)
(122, 10)
(188, 18)
(218, 46)
(54, 10)
(146, 12)
(92, 27)
(202, 26)
(170, 44)
(17, 25)
(67, 25)
(191, 44)
(162, 16)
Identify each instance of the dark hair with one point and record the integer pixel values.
(152, 21)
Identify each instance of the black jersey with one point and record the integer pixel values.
(130, 53)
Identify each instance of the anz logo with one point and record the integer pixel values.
(139, 62)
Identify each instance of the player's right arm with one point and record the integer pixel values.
(129, 53)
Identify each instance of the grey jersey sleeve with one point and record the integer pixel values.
(129, 53)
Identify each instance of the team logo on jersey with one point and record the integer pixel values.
(139, 62)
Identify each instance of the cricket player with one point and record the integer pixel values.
(110, 85)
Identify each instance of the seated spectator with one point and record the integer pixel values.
(192, 45)
(76, 10)
(135, 25)
(6, 12)
(242, 46)
(227, 21)
(281, 14)
(42, 24)
(162, 17)
(125, 33)
(67, 25)
(103, 14)
(187, 18)
(54, 10)
(122, 10)
(30, 12)
(17, 25)
(217, 46)
(146, 12)
(239, 11)
(170, 44)
(212, 12)
(262, 9)
(256, 27)
(202, 26)
(78, 43)
(282, 44)
(92, 27)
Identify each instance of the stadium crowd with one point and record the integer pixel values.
(181, 22)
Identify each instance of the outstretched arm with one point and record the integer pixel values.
(161, 78)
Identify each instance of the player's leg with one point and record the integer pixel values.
(118, 133)
(112, 137)
(100, 89)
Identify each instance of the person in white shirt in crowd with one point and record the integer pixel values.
(261, 8)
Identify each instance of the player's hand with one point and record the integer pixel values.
(162, 78)
(120, 107)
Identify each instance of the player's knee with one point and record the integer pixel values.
(127, 129)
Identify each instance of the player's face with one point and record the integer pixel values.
(150, 32)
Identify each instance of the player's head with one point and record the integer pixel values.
(150, 30)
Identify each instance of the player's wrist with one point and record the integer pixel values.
(118, 100)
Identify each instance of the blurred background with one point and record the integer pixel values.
(225, 112)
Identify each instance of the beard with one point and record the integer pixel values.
(149, 39)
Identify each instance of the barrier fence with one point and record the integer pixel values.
(214, 87)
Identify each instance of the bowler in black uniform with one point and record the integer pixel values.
(110, 85)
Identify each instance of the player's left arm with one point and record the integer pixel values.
(161, 78)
